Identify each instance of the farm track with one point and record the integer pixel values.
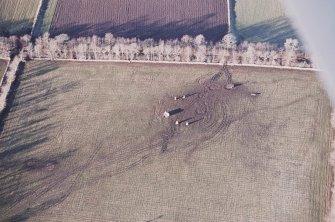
(163, 19)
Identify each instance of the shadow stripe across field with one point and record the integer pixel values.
(159, 19)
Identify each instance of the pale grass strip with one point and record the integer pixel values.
(229, 15)
(180, 63)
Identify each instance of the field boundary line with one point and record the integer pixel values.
(36, 17)
(179, 63)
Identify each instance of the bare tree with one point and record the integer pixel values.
(251, 54)
(291, 47)
(132, 50)
(168, 52)
(200, 48)
(176, 53)
(62, 38)
(229, 41)
(38, 48)
(28, 51)
(148, 49)
(186, 40)
(25, 40)
(109, 39)
(116, 50)
(5, 47)
(160, 50)
(187, 54)
(201, 53)
(82, 51)
(187, 50)
(199, 40)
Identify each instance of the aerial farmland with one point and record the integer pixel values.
(140, 123)
(17, 16)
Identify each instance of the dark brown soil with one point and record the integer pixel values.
(159, 19)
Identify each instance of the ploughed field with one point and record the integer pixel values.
(3, 65)
(17, 16)
(159, 19)
(88, 142)
(263, 20)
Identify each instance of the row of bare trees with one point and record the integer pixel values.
(7, 45)
(186, 49)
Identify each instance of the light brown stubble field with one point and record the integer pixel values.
(17, 16)
(87, 142)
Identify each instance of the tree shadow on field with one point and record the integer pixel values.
(274, 31)
(22, 27)
(28, 169)
(29, 212)
(143, 28)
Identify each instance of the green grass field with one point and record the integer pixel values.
(262, 20)
(88, 142)
(3, 65)
(17, 16)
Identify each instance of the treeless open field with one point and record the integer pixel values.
(17, 16)
(263, 20)
(88, 142)
(159, 19)
(3, 65)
